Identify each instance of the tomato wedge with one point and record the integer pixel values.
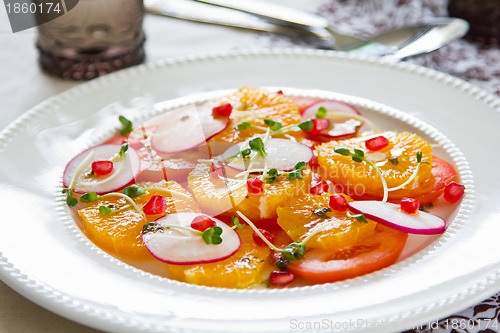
(379, 251)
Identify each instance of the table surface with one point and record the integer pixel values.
(23, 85)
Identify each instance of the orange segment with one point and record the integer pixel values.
(120, 233)
(241, 270)
(216, 196)
(253, 104)
(298, 221)
(360, 179)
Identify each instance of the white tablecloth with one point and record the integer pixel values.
(23, 85)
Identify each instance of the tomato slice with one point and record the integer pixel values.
(379, 251)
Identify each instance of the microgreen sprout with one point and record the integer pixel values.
(212, 235)
(123, 150)
(236, 222)
(321, 112)
(127, 125)
(414, 174)
(243, 126)
(71, 201)
(274, 125)
(358, 217)
(272, 176)
(105, 210)
(359, 156)
(133, 191)
(257, 145)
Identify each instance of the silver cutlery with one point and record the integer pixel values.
(263, 16)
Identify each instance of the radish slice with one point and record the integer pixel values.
(183, 247)
(389, 214)
(281, 154)
(186, 128)
(124, 170)
(330, 106)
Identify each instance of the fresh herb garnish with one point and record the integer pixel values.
(105, 210)
(322, 212)
(89, 197)
(133, 191)
(274, 125)
(123, 150)
(71, 201)
(257, 145)
(212, 235)
(243, 126)
(294, 251)
(306, 125)
(246, 152)
(271, 176)
(296, 173)
(321, 112)
(236, 222)
(359, 217)
(127, 125)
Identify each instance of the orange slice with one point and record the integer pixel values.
(360, 179)
(297, 219)
(217, 196)
(120, 233)
(242, 270)
(253, 104)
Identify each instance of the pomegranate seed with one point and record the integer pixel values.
(376, 143)
(318, 185)
(338, 203)
(259, 241)
(453, 192)
(319, 125)
(102, 168)
(202, 223)
(223, 110)
(254, 186)
(156, 205)
(280, 279)
(279, 92)
(409, 205)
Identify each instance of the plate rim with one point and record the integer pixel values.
(13, 275)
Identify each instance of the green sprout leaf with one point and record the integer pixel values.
(360, 218)
(236, 222)
(89, 197)
(71, 201)
(342, 151)
(306, 125)
(133, 191)
(123, 149)
(272, 175)
(359, 152)
(297, 173)
(419, 157)
(105, 210)
(356, 158)
(274, 125)
(257, 145)
(243, 126)
(321, 112)
(294, 251)
(246, 152)
(127, 125)
(212, 235)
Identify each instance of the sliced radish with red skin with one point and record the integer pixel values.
(183, 247)
(124, 170)
(340, 127)
(186, 128)
(390, 215)
(282, 154)
(330, 106)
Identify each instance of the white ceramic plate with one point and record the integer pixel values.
(46, 258)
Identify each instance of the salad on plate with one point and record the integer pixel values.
(258, 188)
